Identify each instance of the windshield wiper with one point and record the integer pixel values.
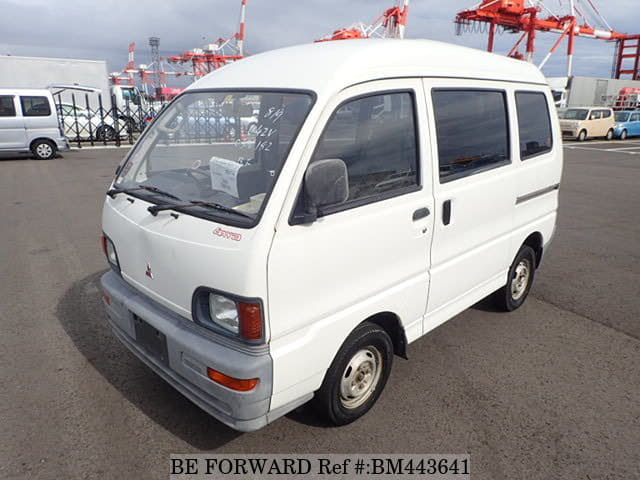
(159, 208)
(115, 191)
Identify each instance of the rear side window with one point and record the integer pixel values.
(605, 113)
(7, 108)
(534, 124)
(472, 130)
(635, 117)
(376, 138)
(35, 106)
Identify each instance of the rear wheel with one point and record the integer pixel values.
(43, 149)
(356, 376)
(609, 134)
(624, 135)
(105, 132)
(582, 136)
(520, 279)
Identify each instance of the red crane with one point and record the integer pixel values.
(581, 18)
(391, 24)
(215, 55)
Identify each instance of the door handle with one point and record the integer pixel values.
(421, 213)
(446, 212)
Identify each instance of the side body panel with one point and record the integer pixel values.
(634, 126)
(492, 212)
(537, 186)
(12, 132)
(471, 255)
(328, 276)
(43, 127)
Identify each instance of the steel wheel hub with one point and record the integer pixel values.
(520, 279)
(361, 377)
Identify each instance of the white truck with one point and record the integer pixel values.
(578, 91)
(36, 72)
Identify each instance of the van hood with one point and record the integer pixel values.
(167, 258)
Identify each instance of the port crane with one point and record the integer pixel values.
(215, 55)
(391, 24)
(576, 18)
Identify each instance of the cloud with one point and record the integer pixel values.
(103, 30)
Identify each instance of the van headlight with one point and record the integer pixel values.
(229, 314)
(224, 312)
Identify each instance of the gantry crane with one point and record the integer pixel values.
(391, 24)
(215, 55)
(580, 18)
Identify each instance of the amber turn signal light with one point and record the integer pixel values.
(250, 320)
(237, 384)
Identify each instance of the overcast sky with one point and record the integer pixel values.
(103, 29)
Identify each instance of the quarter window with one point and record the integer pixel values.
(376, 138)
(472, 130)
(7, 108)
(35, 106)
(534, 124)
(635, 117)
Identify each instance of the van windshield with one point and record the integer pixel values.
(574, 114)
(217, 147)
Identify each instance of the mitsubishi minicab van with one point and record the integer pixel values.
(387, 186)
(29, 123)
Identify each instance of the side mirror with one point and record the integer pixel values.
(326, 182)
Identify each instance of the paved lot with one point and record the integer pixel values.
(628, 147)
(549, 392)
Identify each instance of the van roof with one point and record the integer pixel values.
(24, 91)
(328, 67)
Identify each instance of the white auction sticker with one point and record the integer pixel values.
(224, 175)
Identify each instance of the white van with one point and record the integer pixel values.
(388, 186)
(29, 123)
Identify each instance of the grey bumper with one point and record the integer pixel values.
(63, 144)
(191, 349)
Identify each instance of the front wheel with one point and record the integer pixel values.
(356, 376)
(609, 134)
(624, 135)
(582, 136)
(520, 279)
(43, 149)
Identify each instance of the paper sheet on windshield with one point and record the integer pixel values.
(224, 175)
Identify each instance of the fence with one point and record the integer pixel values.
(85, 120)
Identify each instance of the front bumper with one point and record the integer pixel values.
(63, 144)
(191, 349)
(569, 132)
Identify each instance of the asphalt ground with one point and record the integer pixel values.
(550, 391)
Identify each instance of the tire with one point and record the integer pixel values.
(105, 133)
(624, 135)
(43, 149)
(521, 275)
(582, 136)
(365, 358)
(609, 135)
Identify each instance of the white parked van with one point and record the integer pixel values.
(29, 123)
(388, 186)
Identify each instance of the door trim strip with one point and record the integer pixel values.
(537, 193)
